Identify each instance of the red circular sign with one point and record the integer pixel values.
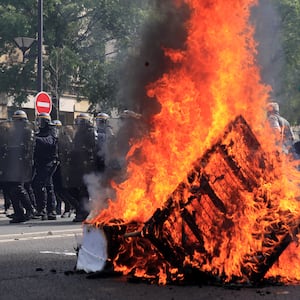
(43, 103)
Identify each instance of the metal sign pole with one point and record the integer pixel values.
(40, 47)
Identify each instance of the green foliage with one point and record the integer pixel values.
(290, 39)
(16, 78)
(75, 35)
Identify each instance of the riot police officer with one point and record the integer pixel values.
(45, 164)
(104, 140)
(84, 152)
(18, 169)
(60, 192)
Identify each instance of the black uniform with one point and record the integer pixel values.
(16, 163)
(60, 192)
(84, 145)
(45, 164)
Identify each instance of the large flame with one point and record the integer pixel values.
(212, 80)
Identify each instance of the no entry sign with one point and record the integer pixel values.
(43, 103)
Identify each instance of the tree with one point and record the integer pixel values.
(289, 12)
(16, 79)
(75, 36)
(119, 24)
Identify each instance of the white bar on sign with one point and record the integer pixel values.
(43, 104)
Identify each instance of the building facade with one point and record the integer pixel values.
(68, 108)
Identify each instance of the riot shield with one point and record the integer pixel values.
(16, 151)
(76, 146)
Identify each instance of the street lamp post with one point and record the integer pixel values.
(24, 43)
(40, 47)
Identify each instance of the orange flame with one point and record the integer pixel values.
(212, 80)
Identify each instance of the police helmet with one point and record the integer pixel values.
(19, 115)
(43, 120)
(101, 119)
(57, 123)
(103, 116)
(129, 114)
(82, 119)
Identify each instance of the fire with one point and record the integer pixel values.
(213, 80)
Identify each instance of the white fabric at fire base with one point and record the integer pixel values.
(92, 253)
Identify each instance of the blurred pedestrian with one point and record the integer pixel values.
(283, 133)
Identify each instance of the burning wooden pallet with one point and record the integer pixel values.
(200, 219)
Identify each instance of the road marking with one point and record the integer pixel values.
(58, 253)
(39, 235)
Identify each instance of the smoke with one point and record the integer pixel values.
(98, 192)
(270, 57)
(165, 29)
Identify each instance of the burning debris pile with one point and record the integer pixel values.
(221, 222)
(192, 206)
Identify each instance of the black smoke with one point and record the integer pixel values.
(165, 29)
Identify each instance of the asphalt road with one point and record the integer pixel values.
(37, 261)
